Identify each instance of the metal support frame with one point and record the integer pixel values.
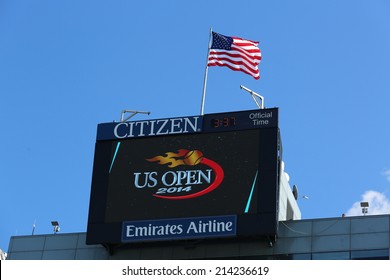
(254, 95)
(133, 113)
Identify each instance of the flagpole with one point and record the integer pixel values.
(205, 76)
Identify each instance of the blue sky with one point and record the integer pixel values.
(66, 66)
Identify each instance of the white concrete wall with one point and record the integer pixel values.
(288, 206)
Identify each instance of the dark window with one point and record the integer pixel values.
(293, 257)
(370, 255)
(331, 256)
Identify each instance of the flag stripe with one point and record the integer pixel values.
(238, 62)
(235, 53)
(218, 63)
(251, 52)
(234, 64)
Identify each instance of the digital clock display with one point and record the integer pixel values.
(242, 120)
(223, 122)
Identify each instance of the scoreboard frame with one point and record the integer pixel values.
(210, 176)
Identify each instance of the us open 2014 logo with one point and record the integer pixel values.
(182, 182)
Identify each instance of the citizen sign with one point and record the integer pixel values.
(156, 127)
(126, 130)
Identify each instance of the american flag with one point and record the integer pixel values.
(236, 53)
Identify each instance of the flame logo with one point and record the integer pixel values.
(190, 158)
(182, 157)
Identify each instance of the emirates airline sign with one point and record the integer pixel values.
(184, 178)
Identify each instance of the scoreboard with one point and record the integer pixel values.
(210, 176)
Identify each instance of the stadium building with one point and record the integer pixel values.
(201, 187)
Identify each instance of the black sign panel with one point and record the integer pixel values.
(220, 171)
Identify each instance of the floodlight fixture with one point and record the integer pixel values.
(56, 226)
(364, 205)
